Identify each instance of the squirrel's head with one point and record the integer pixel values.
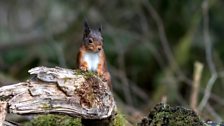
(92, 38)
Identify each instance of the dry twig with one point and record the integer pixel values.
(196, 84)
(208, 51)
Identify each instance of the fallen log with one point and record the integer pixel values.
(59, 90)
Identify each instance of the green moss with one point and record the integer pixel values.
(119, 120)
(171, 116)
(62, 120)
(54, 120)
(87, 74)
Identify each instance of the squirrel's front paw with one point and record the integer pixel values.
(100, 73)
(106, 77)
(83, 68)
(103, 77)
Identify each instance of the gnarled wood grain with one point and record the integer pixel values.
(59, 90)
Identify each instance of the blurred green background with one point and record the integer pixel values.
(151, 47)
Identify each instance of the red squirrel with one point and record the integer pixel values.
(91, 56)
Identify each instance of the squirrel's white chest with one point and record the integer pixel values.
(92, 60)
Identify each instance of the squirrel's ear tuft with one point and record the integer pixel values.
(86, 27)
(100, 28)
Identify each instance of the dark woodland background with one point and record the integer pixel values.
(151, 46)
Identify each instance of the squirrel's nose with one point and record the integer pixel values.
(99, 48)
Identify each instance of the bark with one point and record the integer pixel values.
(2, 112)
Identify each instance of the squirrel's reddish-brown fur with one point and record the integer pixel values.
(91, 56)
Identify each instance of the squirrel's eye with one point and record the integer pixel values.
(90, 41)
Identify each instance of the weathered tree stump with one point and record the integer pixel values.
(59, 90)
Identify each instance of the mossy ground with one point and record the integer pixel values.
(63, 120)
(164, 115)
(54, 120)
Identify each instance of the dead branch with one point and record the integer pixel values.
(196, 85)
(165, 43)
(209, 59)
(59, 90)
